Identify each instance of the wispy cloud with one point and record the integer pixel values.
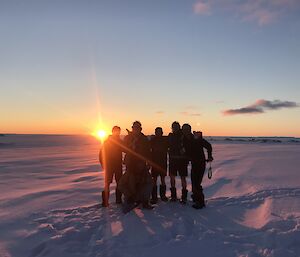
(195, 114)
(190, 114)
(262, 12)
(260, 106)
(202, 7)
(159, 112)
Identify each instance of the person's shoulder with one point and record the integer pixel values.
(107, 140)
(127, 138)
(144, 137)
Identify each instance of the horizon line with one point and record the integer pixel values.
(63, 134)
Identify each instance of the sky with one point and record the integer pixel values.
(227, 67)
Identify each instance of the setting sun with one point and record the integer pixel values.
(100, 134)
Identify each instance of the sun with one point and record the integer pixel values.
(101, 134)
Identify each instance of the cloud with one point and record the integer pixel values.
(260, 106)
(276, 104)
(159, 112)
(184, 113)
(190, 114)
(262, 12)
(201, 7)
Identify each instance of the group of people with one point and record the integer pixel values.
(147, 159)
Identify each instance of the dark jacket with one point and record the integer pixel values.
(111, 152)
(176, 150)
(194, 149)
(159, 149)
(137, 150)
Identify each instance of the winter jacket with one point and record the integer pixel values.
(137, 148)
(159, 149)
(194, 149)
(176, 150)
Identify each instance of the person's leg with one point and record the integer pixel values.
(145, 188)
(183, 174)
(184, 191)
(163, 180)
(105, 193)
(198, 170)
(172, 181)
(162, 189)
(154, 190)
(173, 173)
(118, 175)
(173, 188)
(195, 184)
(183, 182)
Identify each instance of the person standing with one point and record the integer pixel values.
(110, 158)
(177, 162)
(159, 152)
(138, 186)
(194, 146)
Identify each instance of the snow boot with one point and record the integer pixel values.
(118, 197)
(173, 194)
(198, 205)
(199, 200)
(128, 205)
(183, 196)
(105, 197)
(162, 193)
(147, 206)
(193, 198)
(154, 195)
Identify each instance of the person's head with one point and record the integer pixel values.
(116, 131)
(198, 134)
(175, 126)
(186, 129)
(159, 132)
(136, 127)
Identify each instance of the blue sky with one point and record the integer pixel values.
(65, 63)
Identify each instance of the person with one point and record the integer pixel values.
(137, 184)
(110, 158)
(159, 152)
(177, 162)
(194, 147)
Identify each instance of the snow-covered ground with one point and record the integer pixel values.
(50, 194)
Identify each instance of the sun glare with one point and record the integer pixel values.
(101, 134)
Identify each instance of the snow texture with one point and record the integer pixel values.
(50, 203)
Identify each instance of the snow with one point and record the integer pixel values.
(50, 193)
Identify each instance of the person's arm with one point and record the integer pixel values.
(101, 155)
(208, 147)
(169, 142)
(147, 148)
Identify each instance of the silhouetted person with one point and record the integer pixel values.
(139, 184)
(159, 152)
(194, 147)
(177, 162)
(110, 157)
